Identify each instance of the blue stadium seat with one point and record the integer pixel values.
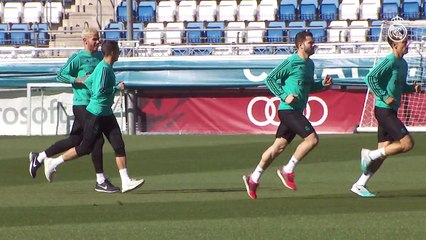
(20, 34)
(122, 11)
(411, 9)
(195, 33)
(418, 34)
(318, 30)
(114, 31)
(424, 11)
(39, 34)
(4, 34)
(287, 10)
(308, 10)
(215, 36)
(328, 10)
(390, 9)
(294, 28)
(374, 33)
(276, 32)
(147, 11)
(137, 31)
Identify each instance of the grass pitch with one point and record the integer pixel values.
(194, 190)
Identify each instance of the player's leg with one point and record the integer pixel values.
(91, 134)
(74, 139)
(360, 186)
(103, 184)
(302, 127)
(283, 137)
(252, 180)
(401, 140)
(111, 130)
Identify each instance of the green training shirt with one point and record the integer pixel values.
(79, 65)
(389, 79)
(296, 77)
(102, 86)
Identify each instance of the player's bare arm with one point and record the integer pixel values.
(290, 99)
(328, 81)
(417, 87)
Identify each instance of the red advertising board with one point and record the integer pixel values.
(331, 111)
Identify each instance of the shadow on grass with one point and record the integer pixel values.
(286, 207)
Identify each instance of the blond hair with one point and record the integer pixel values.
(89, 32)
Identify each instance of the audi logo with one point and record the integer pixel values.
(271, 110)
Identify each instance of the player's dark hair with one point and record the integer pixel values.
(301, 37)
(109, 46)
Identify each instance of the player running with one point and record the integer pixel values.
(75, 71)
(100, 120)
(296, 74)
(387, 81)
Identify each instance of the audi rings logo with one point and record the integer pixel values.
(270, 111)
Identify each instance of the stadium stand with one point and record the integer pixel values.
(267, 10)
(337, 31)
(276, 32)
(12, 12)
(195, 32)
(174, 33)
(19, 34)
(294, 28)
(318, 30)
(374, 31)
(308, 10)
(287, 10)
(137, 33)
(32, 12)
(411, 9)
(255, 32)
(217, 35)
(207, 11)
(154, 33)
(53, 12)
(390, 9)
(206, 21)
(328, 10)
(358, 31)
(122, 11)
(4, 34)
(186, 11)
(235, 32)
(369, 10)
(114, 31)
(166, 11)
(39, 34)
(227, 11)
(146, 11)
(348, 10)
(247, 10)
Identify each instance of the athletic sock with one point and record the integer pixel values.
(257, 173)
(57, 161)
(376, 154)
(41, 156)
(363, 179)
(289, 168)
(124, 175)
(100, 178)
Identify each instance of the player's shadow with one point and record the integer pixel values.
(200, 190)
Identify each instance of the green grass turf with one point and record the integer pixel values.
(194, 190)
